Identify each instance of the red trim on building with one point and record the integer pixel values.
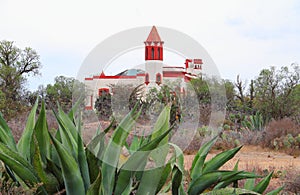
(187, 62)
(174, 67)
(146, 78)
(89, 108)
(112, 77)
(173, 74)
(103, 90)
(91, 105)
(187, 79)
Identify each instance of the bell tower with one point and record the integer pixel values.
(153, 58)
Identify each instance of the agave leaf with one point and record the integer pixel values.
(68, 123)
(129, 188)
(71, 172)
(95, 187)
(166, 173)
(94, 152)
(162, 124)
(56, 171)
(18, 165)
(166, 189)
(275, 192)
(178, 158)
(263, 184)
(49, 181)
(220, 159)
(198, 162)
(6, 136)
(208, 179)
(42, 135)
(113, 150)
(135, 144)
(25, 144)
(177, 186)
(150, 181)
(236, 166)
(158, 155)
(241, 175)
(82, 160)
(74, 108)
(235, 191)
(99, 139)
(65, 129)
(93, 165)
(137, 162)
(249, 184)
(178, 170)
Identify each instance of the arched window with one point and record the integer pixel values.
(147, 79)
(158, 53)
(158, 78)
(146, 54)
(152, 53)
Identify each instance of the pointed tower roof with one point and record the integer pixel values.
(153, 36)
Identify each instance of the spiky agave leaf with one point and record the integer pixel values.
(26, 145)
(137, 162)
(18, 165)
(71, 172)
(220, 159)
(199, 159)
(208, 179)
(113, 150)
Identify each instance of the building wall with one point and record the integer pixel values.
(94, 85)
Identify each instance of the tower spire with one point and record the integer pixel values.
(154, 46)
(153, 36)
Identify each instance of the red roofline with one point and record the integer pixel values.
(153, 36)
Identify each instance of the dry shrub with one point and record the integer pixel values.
(250, 137)
(17, 124)
(205, 114)
(293, 184)
(228, 140)
(277, 129)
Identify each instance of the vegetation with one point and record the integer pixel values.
(150, 103)
(264, 112)
(273, 92)
(53, 162)
(15, 66)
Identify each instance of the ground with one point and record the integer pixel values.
(262, 161)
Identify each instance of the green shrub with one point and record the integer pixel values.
(53, 162)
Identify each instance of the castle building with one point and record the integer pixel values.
(155, 73)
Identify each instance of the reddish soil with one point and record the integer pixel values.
(256, 157)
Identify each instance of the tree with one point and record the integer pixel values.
(245, 96)
(61, 91)
(230, 94)
(241, 88)
(103, 106)
(274, 91)
(16, 65)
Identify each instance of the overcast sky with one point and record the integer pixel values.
(241, 36)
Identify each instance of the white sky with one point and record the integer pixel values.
(242, 36)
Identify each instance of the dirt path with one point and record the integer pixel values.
(256, 157)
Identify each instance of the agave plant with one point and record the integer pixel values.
(53, 162)
(254, 122)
